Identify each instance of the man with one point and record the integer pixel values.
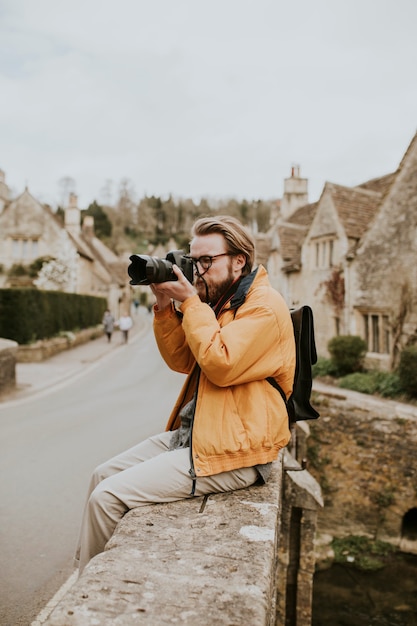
(231, 332)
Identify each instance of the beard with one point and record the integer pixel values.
(214, 291)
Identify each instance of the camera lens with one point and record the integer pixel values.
(145, 270)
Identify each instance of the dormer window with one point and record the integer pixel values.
(324, 252)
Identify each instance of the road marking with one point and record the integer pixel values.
(48, 608)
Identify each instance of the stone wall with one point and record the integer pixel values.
(45, 348)
(362, 451)
(8, 357)
(224, 559)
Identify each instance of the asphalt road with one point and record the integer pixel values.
(48, 448)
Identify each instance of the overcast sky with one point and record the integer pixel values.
(204, 98)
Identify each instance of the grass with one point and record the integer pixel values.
(364, 553)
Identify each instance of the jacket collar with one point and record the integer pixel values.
(242, 290)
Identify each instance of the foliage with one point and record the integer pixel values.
(347, 353)
(18, 269)
(386, 384)
(36, 266)
(323, 367)
(383, 499)
(60, 215)
(365, 553)
(334, 288)
(407, 370)
(102, 223)
(155, 220)
(59, 273)
(27, 315)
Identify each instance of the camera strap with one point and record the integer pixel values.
(226, 297)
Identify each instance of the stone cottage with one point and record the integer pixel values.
(352, 257)
(30, 230)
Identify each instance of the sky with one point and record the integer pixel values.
(203, 98)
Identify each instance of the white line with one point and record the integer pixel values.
(47, 610)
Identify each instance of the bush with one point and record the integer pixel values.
(407, 370)
(347, 353)
(384, 383)
(323, 367)
(27, 315)
(362, 382)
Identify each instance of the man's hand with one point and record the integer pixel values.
(179, 290)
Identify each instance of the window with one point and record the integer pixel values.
(324, 253)
(24, 250)
(16, 249)
(377, 332)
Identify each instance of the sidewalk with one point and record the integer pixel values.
(384, 406)
(32, 378)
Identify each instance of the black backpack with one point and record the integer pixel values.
(298, 404)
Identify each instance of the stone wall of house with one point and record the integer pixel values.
(385, 266)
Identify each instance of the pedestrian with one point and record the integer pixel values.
(228, 332)
(125, 324)
(108, 323)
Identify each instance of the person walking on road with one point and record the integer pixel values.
(228, 331)
(108, 323)
(125, 324)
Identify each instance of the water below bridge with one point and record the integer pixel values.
(346, 596)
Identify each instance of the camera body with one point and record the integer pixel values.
(145, 270)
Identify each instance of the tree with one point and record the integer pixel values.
(67, 186)
(102, 223)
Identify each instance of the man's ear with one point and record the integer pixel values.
(240, 261)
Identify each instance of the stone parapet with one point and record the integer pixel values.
(195, 562)
(8, 357)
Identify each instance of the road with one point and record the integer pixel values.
(48, 448)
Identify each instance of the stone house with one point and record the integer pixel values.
(29, 231)
(352, 257)
(384, 269)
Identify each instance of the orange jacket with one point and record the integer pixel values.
(240, 419)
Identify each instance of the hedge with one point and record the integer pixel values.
(27, 315)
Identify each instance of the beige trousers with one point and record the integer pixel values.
(147, 473)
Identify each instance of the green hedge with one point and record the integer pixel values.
(27, 315)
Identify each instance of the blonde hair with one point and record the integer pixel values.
(237, 237)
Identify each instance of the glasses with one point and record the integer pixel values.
(206, 261)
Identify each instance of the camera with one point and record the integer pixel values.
(145, 270)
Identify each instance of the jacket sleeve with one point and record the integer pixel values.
(258, 342)
(171, 340)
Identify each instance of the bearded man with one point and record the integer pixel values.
(228, 332)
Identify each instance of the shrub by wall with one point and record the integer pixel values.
(347, 353)
(407, 370)
(27, 315)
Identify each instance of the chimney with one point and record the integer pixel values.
(295, 193)
(88, 226)
(73, 215)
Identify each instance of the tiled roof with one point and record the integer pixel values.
(292, 234)
(355, 207)
(304, 215)
(381, 185)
